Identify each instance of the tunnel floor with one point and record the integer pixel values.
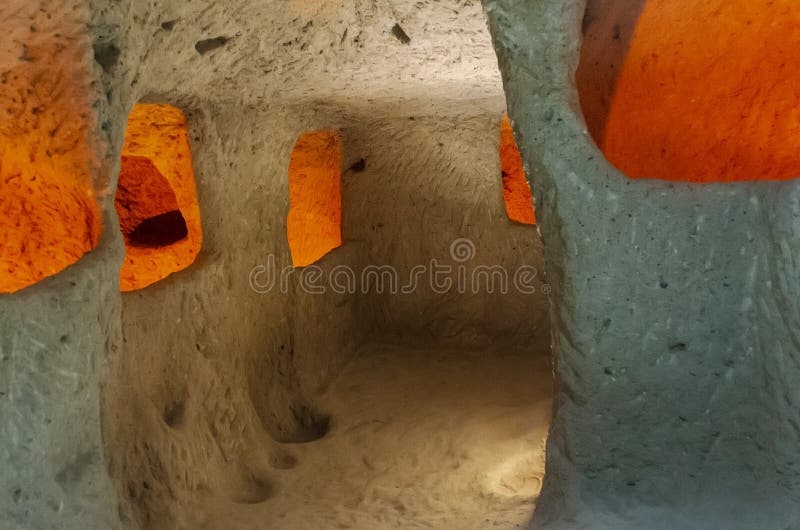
(419, 438)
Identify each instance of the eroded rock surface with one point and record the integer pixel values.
(675, 316)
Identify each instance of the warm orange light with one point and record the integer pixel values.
(315, 196)
(49, 217)
(516, 190)
(156, 200)
(708, 91)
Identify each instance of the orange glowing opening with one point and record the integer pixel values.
(314, 223)
(695, 91)
(49, 217)
(156, 200)
(516, 190)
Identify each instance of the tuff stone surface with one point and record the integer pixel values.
(143, 409)
(674, 316)
(54, 335)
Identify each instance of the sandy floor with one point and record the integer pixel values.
(418, 439)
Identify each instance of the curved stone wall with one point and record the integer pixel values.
(674, 316)
(186, 392)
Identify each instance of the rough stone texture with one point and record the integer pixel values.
(516, 190)
(726, 62)
(437, 198)
(203, 379)
(157, 135)
(468, 456)
(54, 335)
(48, 216)
(245, 368)
(314, 221)
(675, 316)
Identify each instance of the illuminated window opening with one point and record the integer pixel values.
(694, 91)
(516, 190)
(156, 199)
(314, 223)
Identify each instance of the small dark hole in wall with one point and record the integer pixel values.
(174, 414)
(313, 425)
(107, 55)
(159, 231)
(359, 166)
(207, 45)
(400, 33)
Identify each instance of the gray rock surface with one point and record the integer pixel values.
(56, 335)
(675, 316)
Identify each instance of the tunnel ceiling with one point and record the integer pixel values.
(432, 54)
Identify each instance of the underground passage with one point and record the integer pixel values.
(452, 265)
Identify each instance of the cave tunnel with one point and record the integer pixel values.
(358, 335)
(388, 265)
